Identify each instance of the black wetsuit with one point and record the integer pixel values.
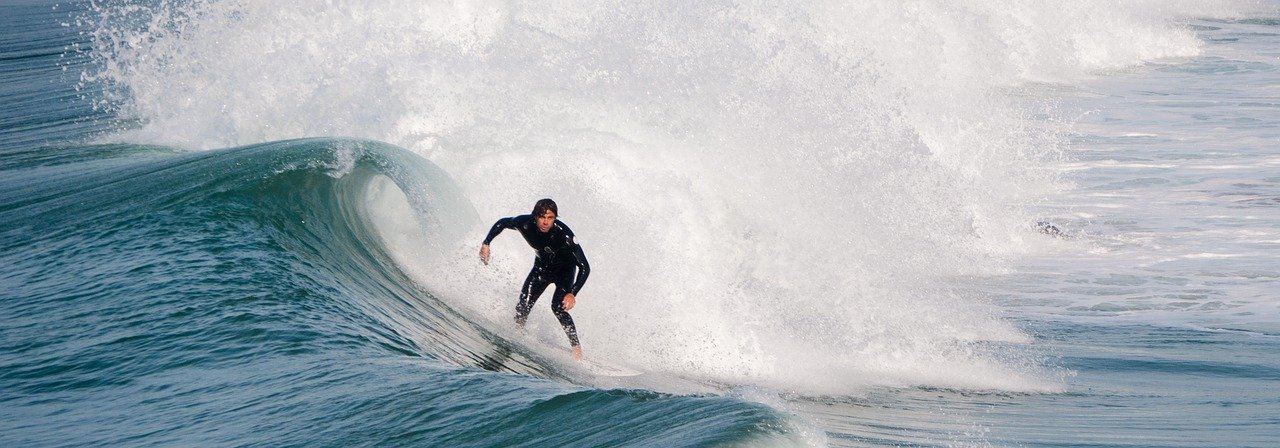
(558, 257)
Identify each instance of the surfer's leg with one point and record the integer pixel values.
(566, 321)
(533, 288)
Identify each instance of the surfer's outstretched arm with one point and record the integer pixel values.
(498, 227)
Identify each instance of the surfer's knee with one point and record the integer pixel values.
(557, 304)
(561, 314)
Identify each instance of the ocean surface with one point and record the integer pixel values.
(881, 223)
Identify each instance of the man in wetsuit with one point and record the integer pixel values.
(558, 256)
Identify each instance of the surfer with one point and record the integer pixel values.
(558, 256)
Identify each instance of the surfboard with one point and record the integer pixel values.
(560, 355)
(601, 368)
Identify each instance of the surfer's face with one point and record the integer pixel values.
(545, 221)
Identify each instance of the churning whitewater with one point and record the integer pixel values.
(779, 194)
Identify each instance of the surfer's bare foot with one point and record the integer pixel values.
(576, 351)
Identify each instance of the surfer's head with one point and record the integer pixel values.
(544, 212)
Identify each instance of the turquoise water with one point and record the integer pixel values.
(229, 247)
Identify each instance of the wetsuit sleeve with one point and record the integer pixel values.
(584, 268)
(498, 227)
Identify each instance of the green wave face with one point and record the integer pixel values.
(270, 221)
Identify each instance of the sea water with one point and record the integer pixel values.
(879, 223)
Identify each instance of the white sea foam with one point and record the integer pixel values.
(769, 194)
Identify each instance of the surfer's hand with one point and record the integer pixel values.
(568, 301)
(484, 254)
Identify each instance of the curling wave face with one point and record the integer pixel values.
(178, 298)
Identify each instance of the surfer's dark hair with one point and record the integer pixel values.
(543, 205)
